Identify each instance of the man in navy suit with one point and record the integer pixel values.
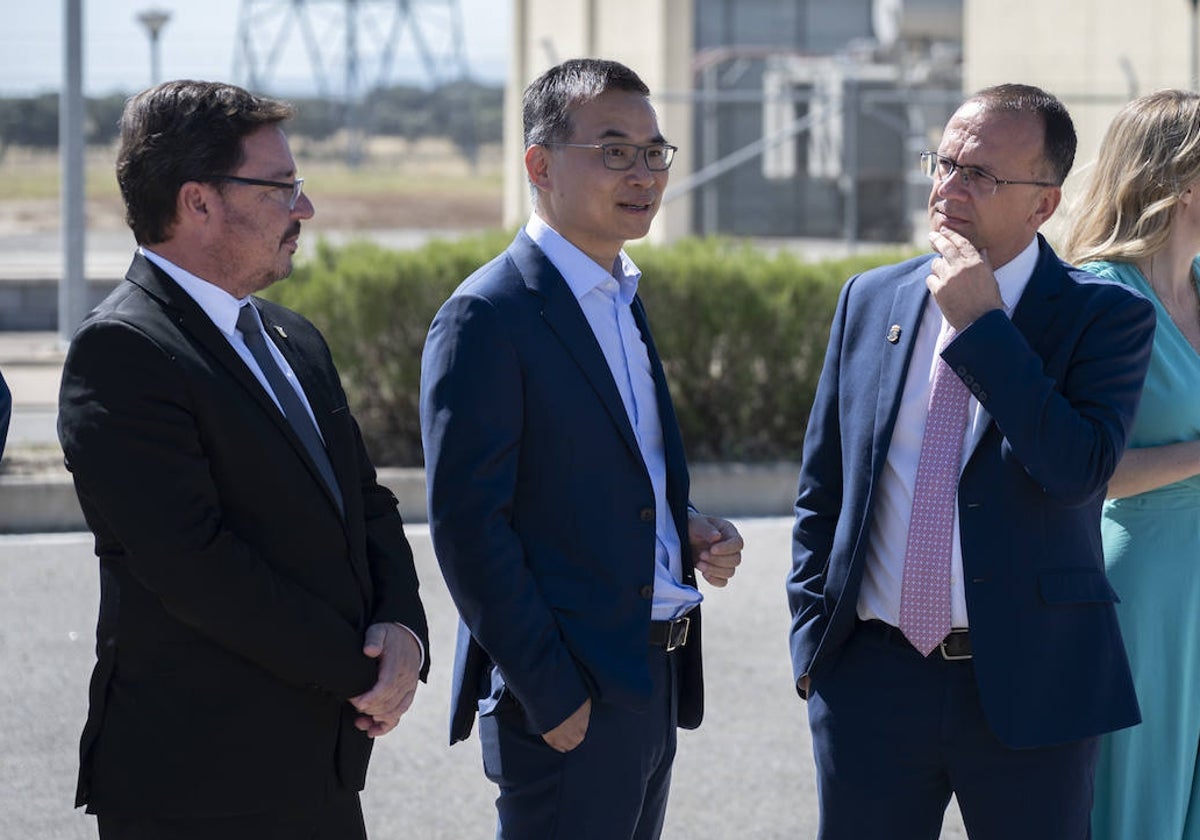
(1018, 663)
(5, 412)
(558, 492)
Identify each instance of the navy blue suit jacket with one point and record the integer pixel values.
(1061, 382)
(540, 506)
(5, 412)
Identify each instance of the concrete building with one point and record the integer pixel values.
(794, 118)
(1095, 55)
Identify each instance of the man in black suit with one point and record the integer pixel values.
(259, 615)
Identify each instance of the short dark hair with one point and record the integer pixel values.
(551, 97)
(1058, 141)
(182, 131)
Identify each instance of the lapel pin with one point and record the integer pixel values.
(283, 335)
(893, 334)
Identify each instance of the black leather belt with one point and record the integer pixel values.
(670, 634)
(954, 648)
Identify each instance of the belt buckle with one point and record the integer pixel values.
(678, 639)
(953, 657)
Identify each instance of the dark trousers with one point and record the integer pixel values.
(895, 734)
(613, 786)
(339, 817)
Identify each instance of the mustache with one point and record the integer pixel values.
(292, 232)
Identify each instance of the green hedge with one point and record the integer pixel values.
(741, 334)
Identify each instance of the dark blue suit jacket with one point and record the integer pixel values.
(540, 507)
(5, 412)
(1061, 382)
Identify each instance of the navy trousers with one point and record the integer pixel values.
(613, 786)
(895, 734)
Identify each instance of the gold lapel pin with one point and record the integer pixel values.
(893, 334)
(283, 335)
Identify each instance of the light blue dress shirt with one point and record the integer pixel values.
(605, 298)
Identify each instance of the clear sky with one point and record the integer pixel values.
(200, 38)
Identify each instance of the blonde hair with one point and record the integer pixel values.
(1149, 156)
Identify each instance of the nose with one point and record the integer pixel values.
(304, 207)
(952, 182)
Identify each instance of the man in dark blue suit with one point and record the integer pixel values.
(968, 647)
(5, 412)
(558, 491)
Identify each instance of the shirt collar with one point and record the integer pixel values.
(220, 306)
(581, 272)
(1014, 275)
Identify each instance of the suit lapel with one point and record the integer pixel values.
(322, 405)
(562, 313)
(1032, 316)
(196, 323)
(896, 342)
(678, 488)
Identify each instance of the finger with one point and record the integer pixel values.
(711, 576)
(375, 640)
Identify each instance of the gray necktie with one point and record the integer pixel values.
(293, 409)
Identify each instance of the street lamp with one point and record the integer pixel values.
(154, 20)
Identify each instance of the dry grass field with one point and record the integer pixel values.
(399, 184)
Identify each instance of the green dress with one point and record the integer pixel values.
(1147, 781)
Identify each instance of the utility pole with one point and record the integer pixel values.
(154, 20)
(72, 286)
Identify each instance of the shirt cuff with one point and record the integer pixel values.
(418, 640)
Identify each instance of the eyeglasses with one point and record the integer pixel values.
(623, 156)
(294, 187)
(939, 168)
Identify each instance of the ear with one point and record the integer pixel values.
(193, 203)
(1047, 203)
(537, 166)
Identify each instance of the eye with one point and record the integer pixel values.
(655, 153)
(616, 151)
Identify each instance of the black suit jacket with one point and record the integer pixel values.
(234, 597)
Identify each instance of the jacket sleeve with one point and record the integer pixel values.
(472, 425)
(1067, 427)
(818, 504)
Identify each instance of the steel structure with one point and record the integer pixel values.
(351, 48)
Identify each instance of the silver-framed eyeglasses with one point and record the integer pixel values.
(623, 156)
(294, 187)
(939, 168)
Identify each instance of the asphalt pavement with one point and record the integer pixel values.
(746, 774)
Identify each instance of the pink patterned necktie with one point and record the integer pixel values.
(925, 590)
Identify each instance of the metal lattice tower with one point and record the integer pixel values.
(351, 47)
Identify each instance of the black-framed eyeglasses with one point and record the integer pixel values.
(939, 168)
(624, 156)
(295, 187)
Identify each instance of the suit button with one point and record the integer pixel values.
(961, 370)
(647, 514)
(976, 388)
(647, 592)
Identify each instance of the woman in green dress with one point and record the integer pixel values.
(1138, 223)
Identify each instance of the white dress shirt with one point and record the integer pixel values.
(222, 309)
(605, 298)
(879, 596)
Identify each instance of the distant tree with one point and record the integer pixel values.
(104, 118)
(29, 122)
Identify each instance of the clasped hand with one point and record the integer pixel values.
(399, 655)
